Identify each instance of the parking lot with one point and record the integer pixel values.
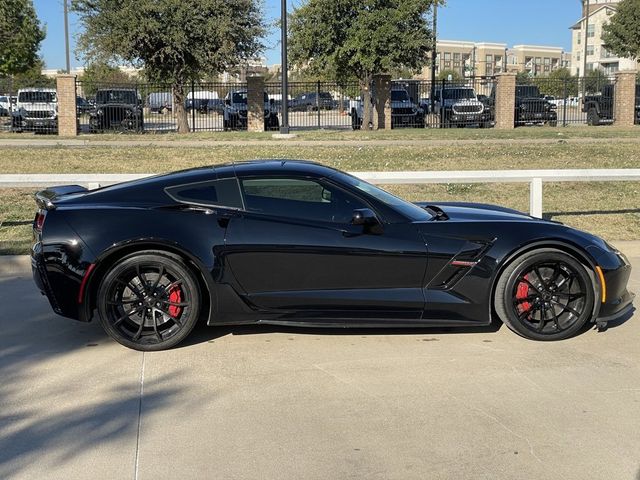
(257, 402)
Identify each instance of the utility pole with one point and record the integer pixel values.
(586, 39)
(434, 54)
(66, 33)
(284, 125)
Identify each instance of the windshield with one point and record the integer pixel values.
(458, 93)
(117, 96)
(399, 96)
(241, 97)
(37, 97)
(409, 210)
(528, 92)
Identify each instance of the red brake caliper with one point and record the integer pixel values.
(521, 293)
(175, 296)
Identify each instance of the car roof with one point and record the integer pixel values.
(36, 89)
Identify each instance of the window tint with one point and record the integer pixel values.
(299, 198)
(223, 193)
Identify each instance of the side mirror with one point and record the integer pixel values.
(272, 102)
(365, 217)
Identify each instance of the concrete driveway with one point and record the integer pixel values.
(264, 403)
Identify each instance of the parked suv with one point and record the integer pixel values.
(309, 102)
(117, 109)
(459, 106)
(235, 112)
(532, 107)
(599, 108)
(36, 110)
(404, 112)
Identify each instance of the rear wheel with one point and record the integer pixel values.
(593, 118)
(149, 301)
(545, 294)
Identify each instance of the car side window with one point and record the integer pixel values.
(299, 198)
(216, 193)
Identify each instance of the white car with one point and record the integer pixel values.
(5, 106)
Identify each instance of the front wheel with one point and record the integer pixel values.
(149, 301)
(545, 294)
(593, 119)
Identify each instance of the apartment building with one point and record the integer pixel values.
(536, 60)
(598, 57)
(470, 59)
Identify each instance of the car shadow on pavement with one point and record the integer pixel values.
(204, 333)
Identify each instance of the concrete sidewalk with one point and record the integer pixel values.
(151, 142)
(265, 403)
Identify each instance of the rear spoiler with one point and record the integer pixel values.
(45, 198)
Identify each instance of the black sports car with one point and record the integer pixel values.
(296, 243)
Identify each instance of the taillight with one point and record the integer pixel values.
(38, 223)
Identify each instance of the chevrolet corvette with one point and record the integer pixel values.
(290, 242)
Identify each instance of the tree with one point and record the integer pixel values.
(359, 38)
(622, 33)
(175, 41)
(20, 37)
(523, 78)
(559, 83)
(98, 74)
(455, 75)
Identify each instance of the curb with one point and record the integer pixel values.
(15, 265)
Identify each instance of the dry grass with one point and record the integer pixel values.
(608, 209)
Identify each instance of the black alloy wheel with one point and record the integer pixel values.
(149, 301)
(545, 295)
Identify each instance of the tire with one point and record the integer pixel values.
(553, 307)
(149, 301)
(593, 119)
(553, 123)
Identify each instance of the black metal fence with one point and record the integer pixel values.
(316, 105)
(565, 101)
(147, 107)
(218, 106)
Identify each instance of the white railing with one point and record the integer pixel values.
(535, 178)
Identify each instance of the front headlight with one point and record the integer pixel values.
(99, 112)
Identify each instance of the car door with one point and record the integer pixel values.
(295, 250)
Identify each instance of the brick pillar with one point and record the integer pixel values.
(67, 116)
(505, 106)
(255, 104)
(624, 103)
(382, 102)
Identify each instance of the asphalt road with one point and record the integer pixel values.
(265, 403)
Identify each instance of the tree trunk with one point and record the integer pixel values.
(367, 107)
(182, 119)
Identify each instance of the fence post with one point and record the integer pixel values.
(505, 101)
(624, 99)
(67, 109)
(382, 102)
(535, 198)
(318, 103)
(255, 103)
(564, 103)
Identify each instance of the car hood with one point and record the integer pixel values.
(474, 212)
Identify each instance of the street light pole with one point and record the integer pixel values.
(66, 33)
(284, 125)
(586, 39)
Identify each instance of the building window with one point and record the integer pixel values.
(590, 50)
(590, 67)
(591, 30)
(488, 59)
(447, 56)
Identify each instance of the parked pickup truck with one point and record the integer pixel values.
(404, 111)
(599, 108)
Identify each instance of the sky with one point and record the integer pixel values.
(533, 22)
